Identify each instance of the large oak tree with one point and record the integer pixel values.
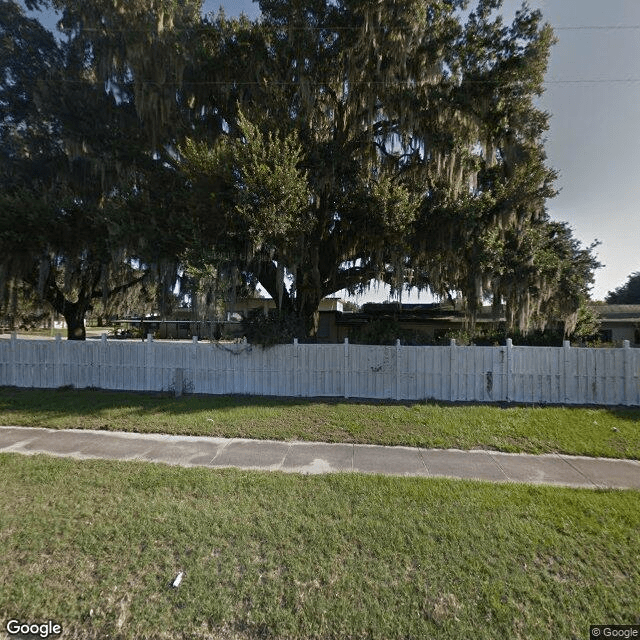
(396, 141)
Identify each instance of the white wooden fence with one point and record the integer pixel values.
(562, 375)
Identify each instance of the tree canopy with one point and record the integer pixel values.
(327, 144)
(405, 146)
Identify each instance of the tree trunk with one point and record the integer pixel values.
(307, 303)
(309, 292)
(310, 315)
(73, 313)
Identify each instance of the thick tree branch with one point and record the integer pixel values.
(348, 278)
(98, 294)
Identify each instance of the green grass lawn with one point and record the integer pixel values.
(93, 545)
(607, 432)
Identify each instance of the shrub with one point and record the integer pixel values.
(277, 327)
(387, 331)
(489, 337)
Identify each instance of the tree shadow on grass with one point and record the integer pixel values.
(84, 401)
(600, 431)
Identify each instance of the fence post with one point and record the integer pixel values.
(99, 367)
(398, 368)
(566, 345)
(628, 374)
(104, 377)
(191, 384)
(147, 362)
(345, 369)
(58, 372)
(296, 368)
(14, 348)
(245, 371)
(508, 371)
(452, 349)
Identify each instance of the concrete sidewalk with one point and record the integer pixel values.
(318, 457)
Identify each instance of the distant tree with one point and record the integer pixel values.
(60, 252)
(628, 293)
(348, 305)
(210, 289)
(25, 310)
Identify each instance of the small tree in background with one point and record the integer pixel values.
(587, 323)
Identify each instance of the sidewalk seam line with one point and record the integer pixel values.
(424, 463)
(587, 478)
(222, 448)
(504, 473)
(285, 455)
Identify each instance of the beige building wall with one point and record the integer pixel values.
(620, 332)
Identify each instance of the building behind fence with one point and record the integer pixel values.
(562, 375)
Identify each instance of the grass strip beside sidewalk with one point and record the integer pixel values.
(605, 432)
(93, 545)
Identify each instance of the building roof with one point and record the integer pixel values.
(617, 312)
(452, 312)
(423, 313)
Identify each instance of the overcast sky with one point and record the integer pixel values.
(593, 96)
